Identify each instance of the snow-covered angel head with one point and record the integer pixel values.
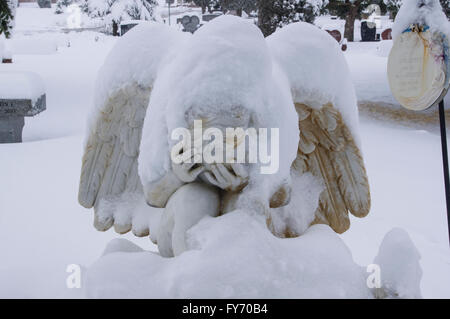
(290, 93)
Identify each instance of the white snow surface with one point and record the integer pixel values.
(427, 12)
(312, 59)
(224, 65)
(232, 256)
(21, 85)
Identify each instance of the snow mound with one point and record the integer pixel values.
(398, 260)
(316, 69)
(428, 12)
(21, 85)
(233, 256)
(301, 210)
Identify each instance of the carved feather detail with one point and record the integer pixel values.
(109, 166)
(328, 150)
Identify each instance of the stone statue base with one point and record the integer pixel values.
(235, 256)
(11, 129)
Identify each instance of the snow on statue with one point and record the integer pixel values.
(293, 91)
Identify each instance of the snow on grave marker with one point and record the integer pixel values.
(419, 66)
(21, 94)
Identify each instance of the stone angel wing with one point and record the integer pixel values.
(325, 101)
(109, 175)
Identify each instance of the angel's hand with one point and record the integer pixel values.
(230, 177)
(188, 170)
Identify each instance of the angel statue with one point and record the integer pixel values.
(225, 78)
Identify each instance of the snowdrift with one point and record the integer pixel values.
(235, 256)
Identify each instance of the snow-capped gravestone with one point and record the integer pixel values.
(386, 34)
(335, 34)
(21, 94)
(418, 64)
(126, 26)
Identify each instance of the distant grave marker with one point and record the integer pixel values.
(190, 23)
(22, 95)
(127, 26)
(368, 31)
(335, 34)
(386, 34)
(209, 17)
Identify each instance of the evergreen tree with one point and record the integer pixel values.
(273, 14)
(204, 4)
(7, 14)
(113, 12)
(349, 10)
(239, 5)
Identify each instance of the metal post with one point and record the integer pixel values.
(169, 11)
(445, 160)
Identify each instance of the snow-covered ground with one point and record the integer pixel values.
(44, 229)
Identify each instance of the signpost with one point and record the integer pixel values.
(169, 2)
(419, 73)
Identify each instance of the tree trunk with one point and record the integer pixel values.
(265, 15)
(350, 21)
(203, 9)
(115, 29)
(239, 12)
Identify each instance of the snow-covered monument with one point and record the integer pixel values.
(227, 227)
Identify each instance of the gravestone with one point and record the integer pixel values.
(335, 34)
(44, 3)
(190, 23)
(368, 31)
(14, 108)
(209, 17)
(127, 26)
(386, 34)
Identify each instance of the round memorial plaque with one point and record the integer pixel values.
(418, 68)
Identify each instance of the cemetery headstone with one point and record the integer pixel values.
(209, 17)
(368, 31)
(44, 3)
(344, 45)
(21, 94)
(127, 26)
(335, 34)
(190, 23)
(386, 34)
